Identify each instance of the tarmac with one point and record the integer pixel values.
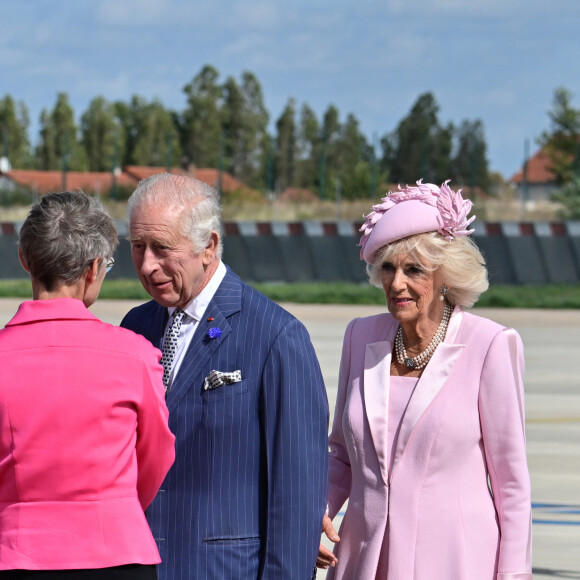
(552, 350)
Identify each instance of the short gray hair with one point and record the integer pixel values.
(63, 234)
(198, 202)
(459, 263)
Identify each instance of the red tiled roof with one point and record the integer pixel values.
(540, 169)
(139, 172)
(52, 181)
(209, 176)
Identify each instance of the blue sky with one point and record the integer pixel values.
(495, 60)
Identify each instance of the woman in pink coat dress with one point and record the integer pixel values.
(84, 441)
(428, 441)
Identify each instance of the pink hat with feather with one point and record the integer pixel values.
(415, 210)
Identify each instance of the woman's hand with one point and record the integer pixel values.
(325, 557)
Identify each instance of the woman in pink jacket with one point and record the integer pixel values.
(428, 441)
(84, 441)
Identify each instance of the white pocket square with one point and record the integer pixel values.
(217, 379)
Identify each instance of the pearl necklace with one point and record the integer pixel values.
(420, 361)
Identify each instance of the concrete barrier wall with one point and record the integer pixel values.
(516, 253)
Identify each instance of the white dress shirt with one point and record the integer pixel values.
(194, 312)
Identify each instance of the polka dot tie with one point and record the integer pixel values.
(170, 346)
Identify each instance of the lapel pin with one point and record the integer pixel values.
(214, 332)
(210, 319)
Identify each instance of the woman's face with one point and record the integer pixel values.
(412, 290)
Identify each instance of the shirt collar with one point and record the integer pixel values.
(51, 309)
(197, 307)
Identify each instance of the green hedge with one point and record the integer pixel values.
(547, 296)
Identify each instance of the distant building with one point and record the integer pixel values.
(541, 180)
(101, 183)
(42, 182)
(221, 180)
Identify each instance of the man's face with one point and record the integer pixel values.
(169, 269)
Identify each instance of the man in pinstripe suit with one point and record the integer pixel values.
(245, 497)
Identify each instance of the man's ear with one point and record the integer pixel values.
(210, 250)
(22, 261)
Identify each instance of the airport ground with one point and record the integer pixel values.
(552, 345)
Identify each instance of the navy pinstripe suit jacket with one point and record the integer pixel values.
(245, 497)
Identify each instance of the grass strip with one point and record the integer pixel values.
(559, 296)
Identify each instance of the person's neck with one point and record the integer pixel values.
(209, 272)
(39, 292)
(417, 336)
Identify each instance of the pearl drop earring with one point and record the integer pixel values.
(444, 290)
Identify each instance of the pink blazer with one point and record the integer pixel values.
(84, 442)
(434, 517)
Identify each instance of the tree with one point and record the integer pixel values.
(329, 159)
(201, 127)
(269, 148)
(100, 135)
(353, 157)
(358, 181)
(233, 127)
(569, 196)
(419, 147)
(14, 123)
(286, 147)
(156, 139)
(308, 149)
(45, 152)
(59, 147)
(562, 142)
(470, 166)
(441, 162)
(244, 123)
(255, 135)
(66, 145)
(124, 114)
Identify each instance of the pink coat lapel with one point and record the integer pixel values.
(431, 382)
(376, 394)
(377, 384)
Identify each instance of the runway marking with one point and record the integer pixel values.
(546, 514)
(555, 523)
(554, 420)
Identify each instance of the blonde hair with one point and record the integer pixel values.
(459, 263)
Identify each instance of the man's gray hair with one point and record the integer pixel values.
(197, 202)
(62, 236)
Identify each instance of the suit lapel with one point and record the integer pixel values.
(226, 301)
(155, 330)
